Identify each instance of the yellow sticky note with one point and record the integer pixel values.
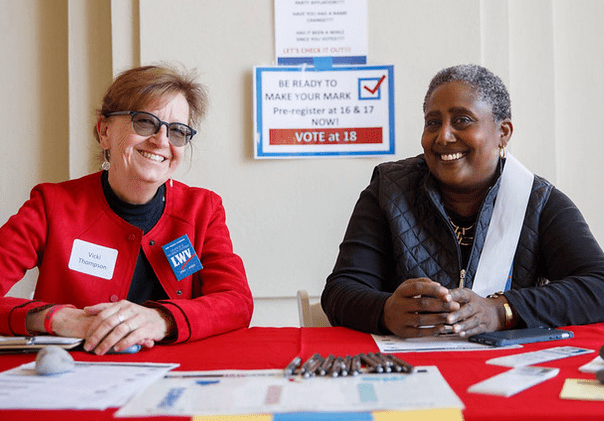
(582, 389)
(445, 414)
(250, 417)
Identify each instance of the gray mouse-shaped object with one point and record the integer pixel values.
(53, 360)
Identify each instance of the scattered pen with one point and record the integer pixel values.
(356, 365)
(348, 365)
(373, 365)
(336, 367)
(406, 367)
(308, 362)
(384, 362)
(376, 362)
(326, 365)
(343, 367)
(291, 367)
(312, 368)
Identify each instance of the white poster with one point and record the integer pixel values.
(308, 112)
(310, 29)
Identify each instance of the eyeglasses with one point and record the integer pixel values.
(147, 124)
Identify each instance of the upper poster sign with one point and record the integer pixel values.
(307, 29)
(308, 111)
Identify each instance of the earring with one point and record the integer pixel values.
(105, 165)
(502, 152)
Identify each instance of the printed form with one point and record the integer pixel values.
(89, 385)
(268, 391)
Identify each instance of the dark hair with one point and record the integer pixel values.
(487, 85)
(136, 88)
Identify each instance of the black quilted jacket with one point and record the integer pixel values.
(399, 230)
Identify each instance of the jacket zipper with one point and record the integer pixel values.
(462, 276)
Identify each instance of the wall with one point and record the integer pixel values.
(34, 139)
(288, 217)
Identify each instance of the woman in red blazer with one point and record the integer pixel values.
(127, 255)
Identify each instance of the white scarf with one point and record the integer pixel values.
(504, 229)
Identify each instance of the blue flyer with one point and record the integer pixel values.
(182, 257)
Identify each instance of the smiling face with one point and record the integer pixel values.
(140, 164)
(461, 139)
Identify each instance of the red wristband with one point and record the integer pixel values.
(50, 315)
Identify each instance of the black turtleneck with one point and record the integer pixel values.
(145, 286)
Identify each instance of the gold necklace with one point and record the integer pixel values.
(464, 235)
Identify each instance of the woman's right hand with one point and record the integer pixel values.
(418, 307)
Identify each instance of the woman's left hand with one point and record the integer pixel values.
(476, 314)
(120, 325)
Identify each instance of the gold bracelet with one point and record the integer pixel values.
(507, 309)
(509, 315)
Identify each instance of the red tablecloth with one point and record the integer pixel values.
(259, 348)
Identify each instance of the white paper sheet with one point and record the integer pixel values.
(538, 357)
(320, 29)
(594, 365)
(514, 381)
(268, 391)
(90, 385)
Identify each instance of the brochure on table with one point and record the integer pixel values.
(90, 385)
(269, 391)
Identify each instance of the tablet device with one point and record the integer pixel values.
(520, 336)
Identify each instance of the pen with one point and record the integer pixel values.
(326, 365)
(384, 362)
(312, 368)
(336, 367)
(356, 365)
(406, 367)
(348, 365)
(291, 367)
(307, 364)
(175, 375)
(372, 365)
(343, 367)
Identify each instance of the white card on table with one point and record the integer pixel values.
(594, 365)
(537, 357)
(514, 381)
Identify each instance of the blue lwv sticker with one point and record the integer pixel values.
(182, 257)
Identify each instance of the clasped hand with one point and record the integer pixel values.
(116, 326)
(421, 307)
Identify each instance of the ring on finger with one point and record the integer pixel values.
(120, 318)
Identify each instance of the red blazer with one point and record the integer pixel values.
(214, 300)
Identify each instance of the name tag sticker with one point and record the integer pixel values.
(92, 259)
(182, 258)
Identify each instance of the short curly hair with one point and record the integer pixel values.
(487, 85)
